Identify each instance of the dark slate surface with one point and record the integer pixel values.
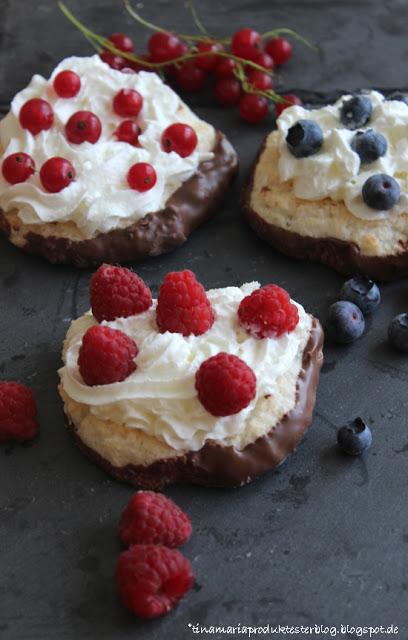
(322, 541)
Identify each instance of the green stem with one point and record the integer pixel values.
(198, 23)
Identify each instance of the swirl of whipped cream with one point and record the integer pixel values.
(100, 199)
(160, 396)
(335, 171)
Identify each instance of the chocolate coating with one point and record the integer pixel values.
(194, 202)
(215, 465)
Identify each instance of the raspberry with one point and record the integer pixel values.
(225, 384)
(18, 412)
(151, 579)
(151, 518)
(117, 292)
(268, 312)
(183, 306)
(106, 355)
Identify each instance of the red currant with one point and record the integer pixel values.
(227, 90)
(246, 43)
(115, 62)
(36, 115)
(17, 167)
(280, 49)
(265, 60)
(56, 174)
(290, 99)
(259, 80)
(121, 41)
(164, 46)
(253, 108)
(141, 176)
(225, 67)
(128, 131)
(189, 77)
(127, 103)
(67, 84)
(83, 126)
(180, 138)
(208, 63)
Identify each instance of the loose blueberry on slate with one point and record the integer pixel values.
(363, 292)
(355, 438)
(397, 95)
(381, 192)
(356, 112)
(304, 138)
(398, 332)
(369, 145)
(345, 322)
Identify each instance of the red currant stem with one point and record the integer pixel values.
(248, 88)
(289, 32)
(197, 21)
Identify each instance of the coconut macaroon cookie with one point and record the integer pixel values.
(101, 165)
(211, 388)
(331, 185)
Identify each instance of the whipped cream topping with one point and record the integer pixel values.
(335, 171)
(160, 396)
(99, 199)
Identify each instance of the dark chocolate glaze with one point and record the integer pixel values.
(215, 465)
(193, 203)
(344, 257)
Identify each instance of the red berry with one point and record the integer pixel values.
(264, 60)
(180, 138)
(17, 167)
(225, 384)
(121, 41)
(151, 579)
(106, 355)
(208, 63)
(114, 61)
(36, 115)
(56, 174)
(280, 49)
(141, 177)
(183, 306)
(164, 46)
(189, 77)
(225, 68)
(253, 108)
(128, 131)
(18, 411)
(246, 43)
(268, 312)
(227, 90)
(259, 80)
(290, 99)
(127, 103)
(151, 518)
(67, 84)
(116, 292)
(83, 126)
(171, 69)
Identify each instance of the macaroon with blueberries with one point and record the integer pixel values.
(330, 184)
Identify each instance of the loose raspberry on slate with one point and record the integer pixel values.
(225, 384)
(106, 356)
(268, 312)
(183, 306)
(116, 292)
(18, 411)
(151, 518)
(151, 579)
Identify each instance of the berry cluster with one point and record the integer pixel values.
(241, 67)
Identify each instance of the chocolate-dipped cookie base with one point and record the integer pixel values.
(215, 465)
(194, 202)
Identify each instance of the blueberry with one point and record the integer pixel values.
(304, 138)
(381, 192)
(363, 292)
(345, 322)
(369, 145)
(356, 112)
(398, 332)
(355, 438)
(397, 95)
